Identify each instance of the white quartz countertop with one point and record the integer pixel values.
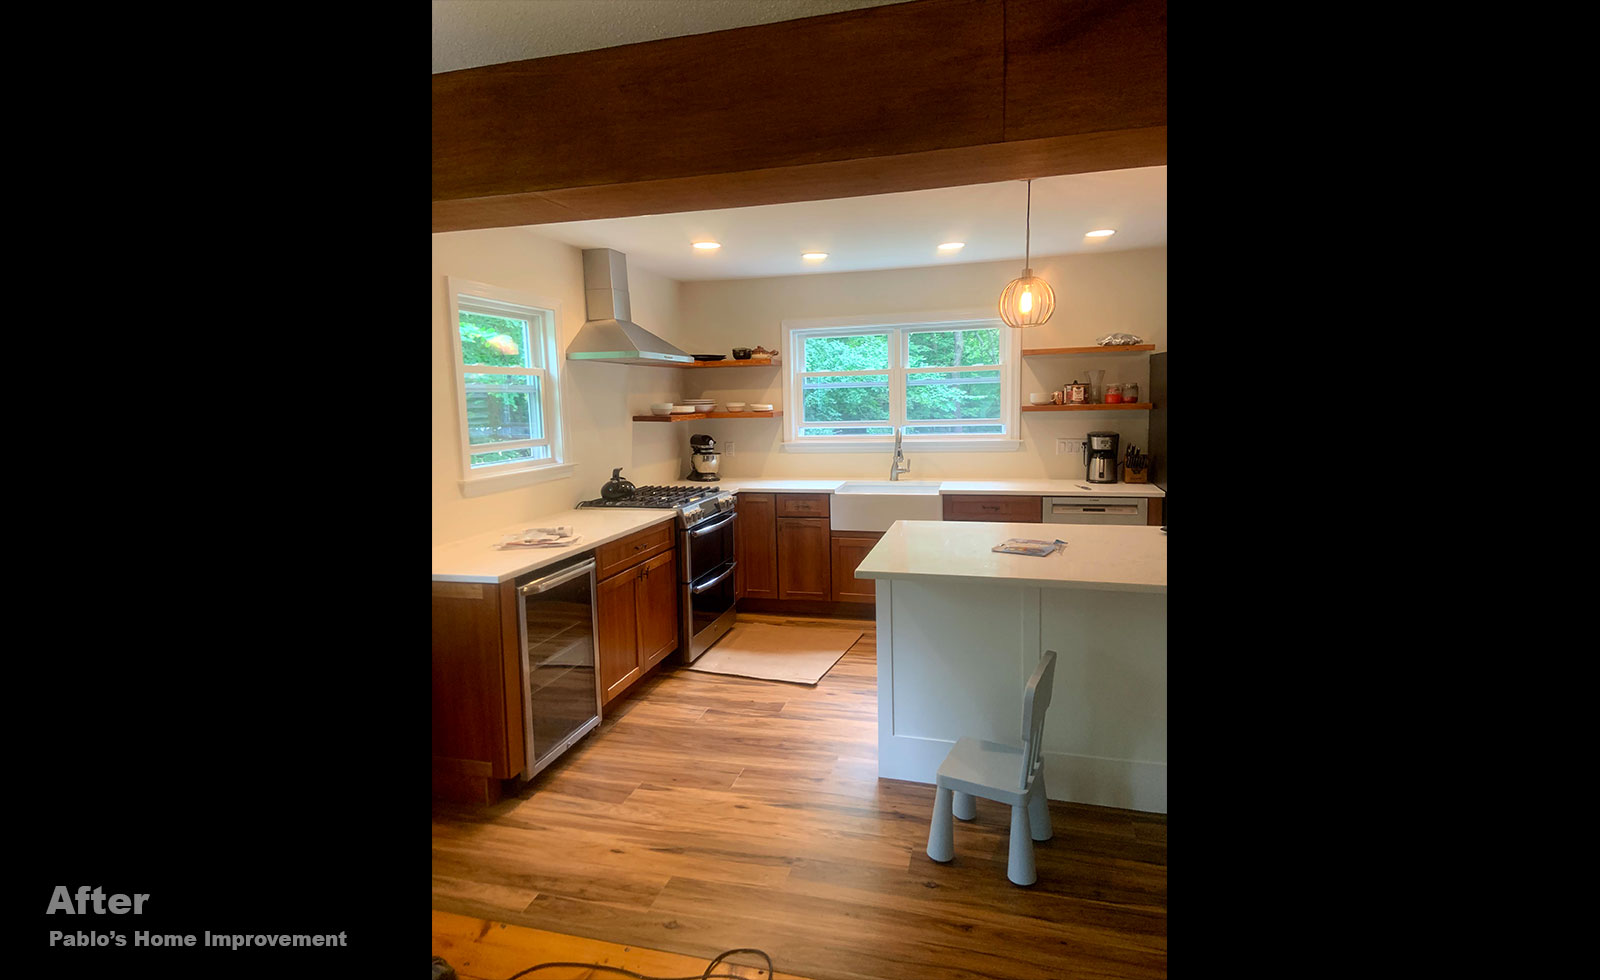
(1106, 557)
(1051, 488)
(475, 559)
(1017, 487)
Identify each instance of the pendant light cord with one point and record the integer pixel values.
(1027, 234)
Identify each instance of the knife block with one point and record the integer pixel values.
(1131, 475)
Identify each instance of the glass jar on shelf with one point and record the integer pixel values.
(1130, 391)
(1113, 393)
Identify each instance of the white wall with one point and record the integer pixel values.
(1096, 294)
(599, 399)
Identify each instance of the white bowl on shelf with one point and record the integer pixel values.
(684, 409)
(735, 406)
(1038, 398)
(698, 401)
(760, 408)
(661, 408)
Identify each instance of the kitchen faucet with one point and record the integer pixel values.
(898, 465)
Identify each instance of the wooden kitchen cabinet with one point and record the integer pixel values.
(849, 548)
(1002, 508)
(476, 708)
(638, 613)
(755, 546)
(617, 643)
(658, 609)
(804, 558)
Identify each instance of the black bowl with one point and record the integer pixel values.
(741, 353)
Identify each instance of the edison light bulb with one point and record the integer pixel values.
(1026, 303)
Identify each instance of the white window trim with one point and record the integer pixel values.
(508, 476)
(794, 359)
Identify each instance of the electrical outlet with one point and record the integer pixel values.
(731, 450)
(1069, 447)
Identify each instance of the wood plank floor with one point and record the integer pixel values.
(714, 812)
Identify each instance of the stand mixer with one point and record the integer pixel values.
(703, 459)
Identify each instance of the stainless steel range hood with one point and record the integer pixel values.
(608, 334)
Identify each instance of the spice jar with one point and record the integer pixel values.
(1113, 394)
(1077, 393)
(1130, 391)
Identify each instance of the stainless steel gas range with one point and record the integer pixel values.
(705, 558)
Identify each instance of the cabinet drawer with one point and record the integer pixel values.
(624, 553)
(959, 507)
(802, 504)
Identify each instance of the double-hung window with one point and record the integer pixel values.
(508, 383)
(946, 380)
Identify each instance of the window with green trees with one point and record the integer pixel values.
(507, 384)
(932, 379)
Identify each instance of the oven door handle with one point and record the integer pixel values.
(697, 589)
(701, 532)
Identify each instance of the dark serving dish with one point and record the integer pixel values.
(710, 357)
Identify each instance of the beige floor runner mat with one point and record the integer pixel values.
(795, 654)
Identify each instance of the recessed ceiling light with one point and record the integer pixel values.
(707, 245)
(951, 246)
(814, 256)
(1102, 233)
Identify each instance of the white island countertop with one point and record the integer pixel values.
(1106, 557)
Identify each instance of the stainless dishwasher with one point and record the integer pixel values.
(560, 683)
(1096, 510)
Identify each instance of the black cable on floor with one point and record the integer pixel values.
(706, 975)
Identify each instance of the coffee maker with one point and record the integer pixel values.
(1100, 457)
(703, 459)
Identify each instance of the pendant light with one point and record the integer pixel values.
(1029, 300)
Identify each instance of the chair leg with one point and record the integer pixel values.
(1019, 863)
(941, 833)
(965, 807)
(1039, 811)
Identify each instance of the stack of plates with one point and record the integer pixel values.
(698, 404)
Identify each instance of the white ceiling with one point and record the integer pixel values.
(890, 231)
(473, 33)
(887, 231)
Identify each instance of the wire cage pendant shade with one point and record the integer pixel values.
(1027, 301)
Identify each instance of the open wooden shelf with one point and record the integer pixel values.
(730, 362)
(1096, 349)
(1120, 407)
(694, 416)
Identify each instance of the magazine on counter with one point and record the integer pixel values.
(541, 537)
(1030, 546)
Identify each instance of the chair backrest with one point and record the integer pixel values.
(1035, 701)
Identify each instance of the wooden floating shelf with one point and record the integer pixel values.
(694, 416)
(730, 362)
(1122, 407)
(1096, 349)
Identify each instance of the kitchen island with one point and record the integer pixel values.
(961, 627)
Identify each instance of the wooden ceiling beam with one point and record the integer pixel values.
(934, 93)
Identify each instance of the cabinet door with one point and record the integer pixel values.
(617, 645)
(755, 545)
(658, 609)
(848, 550)
(804, 557)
